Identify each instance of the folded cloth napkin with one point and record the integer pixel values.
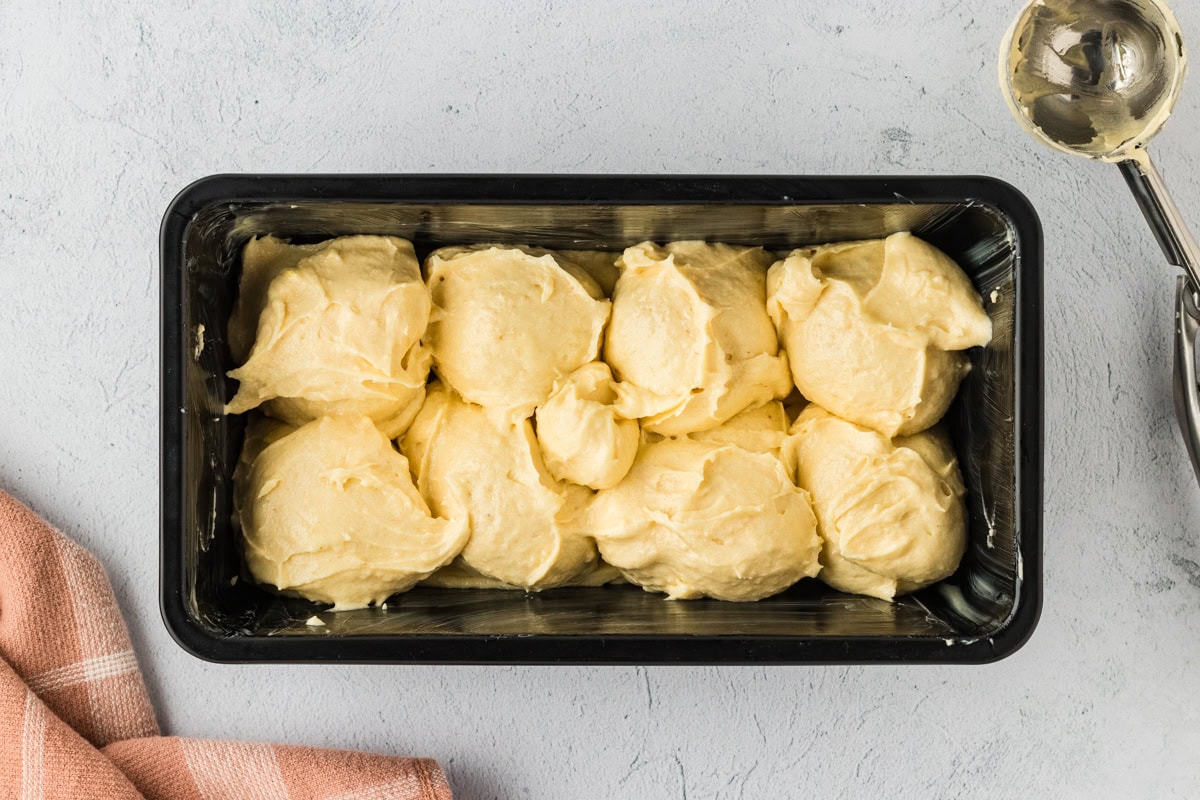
(76, 721)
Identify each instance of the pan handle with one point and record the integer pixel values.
(1187, 392)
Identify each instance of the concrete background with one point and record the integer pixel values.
(109, 108)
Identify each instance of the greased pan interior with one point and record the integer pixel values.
(984, 612)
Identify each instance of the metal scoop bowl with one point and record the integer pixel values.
(1098, 78)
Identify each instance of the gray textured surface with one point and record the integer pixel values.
(109, 109)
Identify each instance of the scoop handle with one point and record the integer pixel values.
(1187, 391)
(1176, 240)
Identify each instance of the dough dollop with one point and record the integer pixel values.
(873, 329)
(690, 340)
(891, 512)
(339, 332)
(480, 467)
(582, 437)
(330, 512)
(509, 322)
(696, 519)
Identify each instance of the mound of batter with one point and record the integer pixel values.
(891, 512)
(873, 329)
(509, 322)
(481, 468)
(330, 512)
(339, 331)
(690, 340)
(703, 519)
(582, 437)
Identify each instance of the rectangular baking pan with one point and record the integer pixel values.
(984, 612)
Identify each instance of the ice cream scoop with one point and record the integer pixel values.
(1099, 78)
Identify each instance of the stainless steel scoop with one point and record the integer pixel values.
(1098, 78)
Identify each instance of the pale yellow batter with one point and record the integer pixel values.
(263, 258)
(261, 431)
(690, 340)
(761, 429)
(873, 329)
(583, 438)
(702, 519)
(509, 322)
(338, 334)
(891, 512)
(685, 437)
(330, 512)
(479, 467)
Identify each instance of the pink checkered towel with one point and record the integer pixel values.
(76, 722)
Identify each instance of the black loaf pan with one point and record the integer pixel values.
(982, 613)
